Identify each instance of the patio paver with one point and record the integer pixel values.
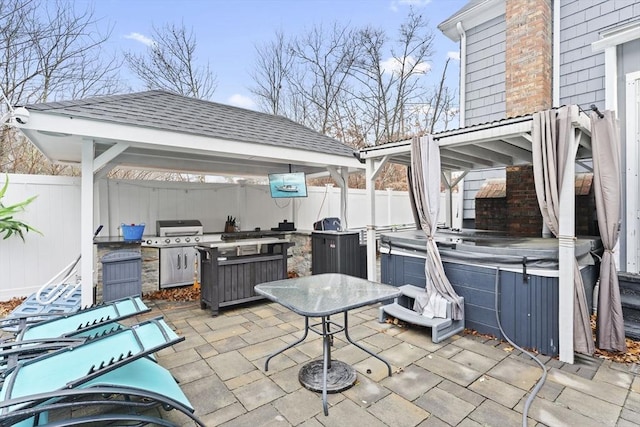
(466, 380)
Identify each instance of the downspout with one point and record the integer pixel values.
(555, 79)
(463, 107)
(463, 73)
(555, 88)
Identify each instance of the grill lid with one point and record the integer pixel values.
(178, 227)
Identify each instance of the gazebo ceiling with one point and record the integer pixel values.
(497, 144)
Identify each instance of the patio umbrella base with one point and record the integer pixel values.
(340, 376)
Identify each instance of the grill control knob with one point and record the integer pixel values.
(177, 240)
(187, 239)
(197, 239)
(167, 240)
(149, 242)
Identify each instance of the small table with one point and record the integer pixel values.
(321, 296)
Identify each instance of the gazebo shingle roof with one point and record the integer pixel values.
(172, 112)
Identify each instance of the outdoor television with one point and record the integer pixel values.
(292, 184)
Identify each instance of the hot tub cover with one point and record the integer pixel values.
(477, 246)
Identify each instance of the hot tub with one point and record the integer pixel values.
(527, 270)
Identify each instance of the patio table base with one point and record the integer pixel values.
(340, 376)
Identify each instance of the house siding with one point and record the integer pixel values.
(472, 183)
(582, 71)
(485, 79)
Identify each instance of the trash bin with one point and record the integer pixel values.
(121, 275)
(336, 252)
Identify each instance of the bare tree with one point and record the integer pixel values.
(49, 51)
(272, 70)
(357, 85)
(321, 77)
(440, 104)
(391, 89)
(170, 63)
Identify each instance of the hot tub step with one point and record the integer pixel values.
(408, 315)
(441, 328)
(411, 291)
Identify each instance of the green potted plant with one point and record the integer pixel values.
(8, 225)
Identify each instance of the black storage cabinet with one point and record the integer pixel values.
(337, 252)
(229, 280)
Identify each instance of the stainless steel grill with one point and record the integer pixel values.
(178, 257)
(176, 232)
(178, 227)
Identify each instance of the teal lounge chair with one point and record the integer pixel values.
(68, 330)
(118, 359)
(71, 324)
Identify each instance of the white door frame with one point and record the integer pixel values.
(631, 172)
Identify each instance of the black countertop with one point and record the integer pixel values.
(106, 240)
(240, 235)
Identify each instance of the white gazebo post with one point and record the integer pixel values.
(450, 184)
(389, 197)
(344, 197)
(86, 223)
(372, 172)
(566, 250)
(341, 177)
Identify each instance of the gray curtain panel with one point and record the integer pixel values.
(605, 144)
(425, 167)
(551, 150)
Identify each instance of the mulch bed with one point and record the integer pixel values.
(191, 293)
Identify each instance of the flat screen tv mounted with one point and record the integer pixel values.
(284, 185)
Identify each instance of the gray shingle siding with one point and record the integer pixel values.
(485, 72)
(582, 70)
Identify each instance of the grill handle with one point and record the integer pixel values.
(179, 233)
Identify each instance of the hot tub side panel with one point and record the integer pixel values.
(528, 309)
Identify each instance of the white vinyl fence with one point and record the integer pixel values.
(56, 213)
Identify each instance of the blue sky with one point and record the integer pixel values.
(227, 31)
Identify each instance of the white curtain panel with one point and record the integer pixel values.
(425, 168)
(551, 150)
(605, 144)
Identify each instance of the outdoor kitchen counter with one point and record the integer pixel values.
(230, 270)
(242, 242)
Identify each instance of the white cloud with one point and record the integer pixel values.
(416, 3)
(241, 101)
(453, 55)
(140, 38)
(393, 65)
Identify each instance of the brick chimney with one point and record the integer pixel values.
(528, 79)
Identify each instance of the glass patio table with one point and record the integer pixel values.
(320, 296)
